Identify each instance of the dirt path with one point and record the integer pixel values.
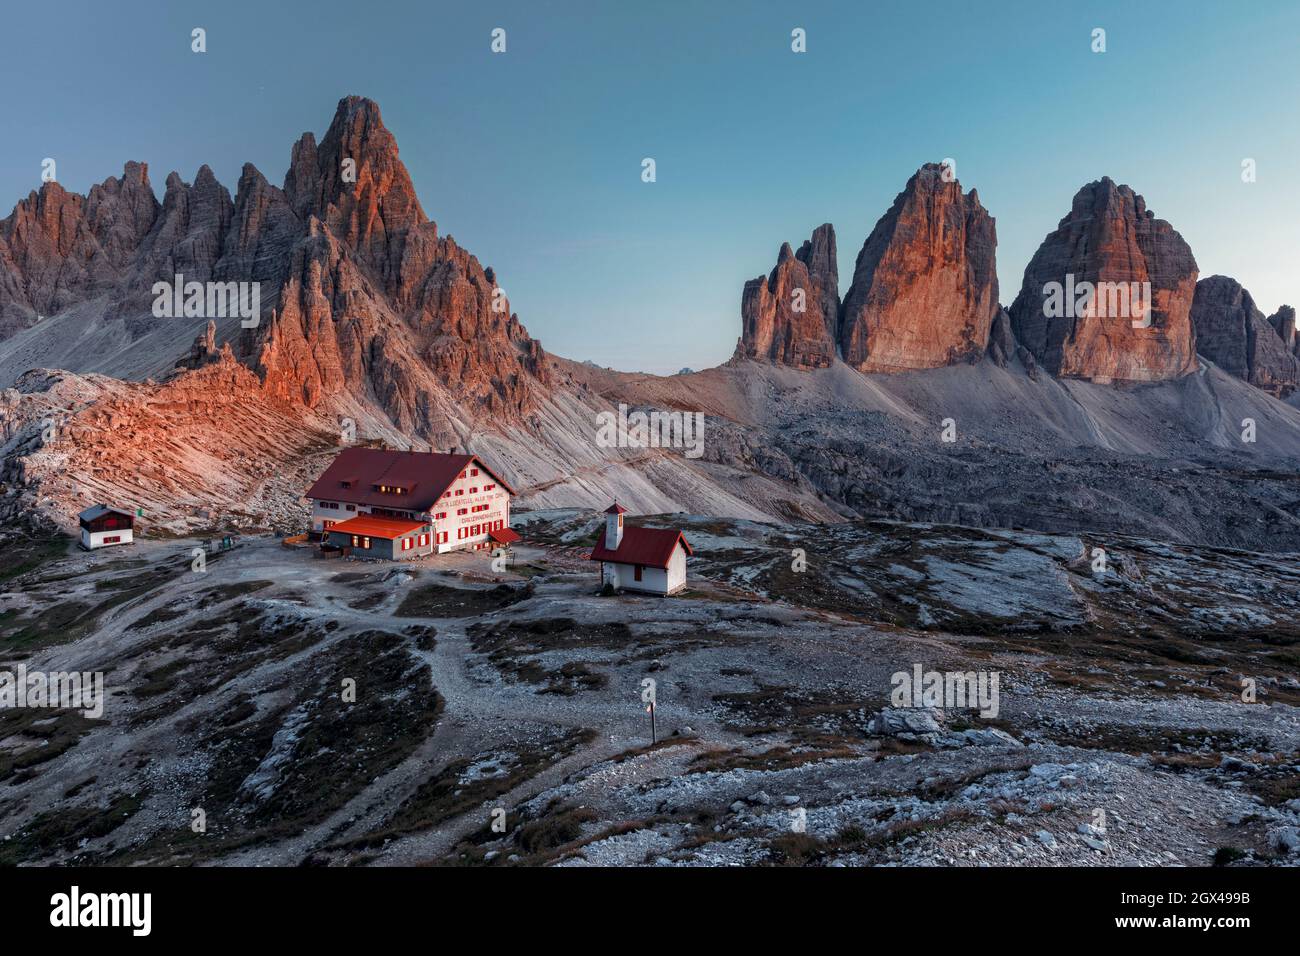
(478, 705)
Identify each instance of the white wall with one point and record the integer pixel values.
(653, 580)
(498, 509)
(497, 501)
(319, 515)
(96, 539)
(677, 569)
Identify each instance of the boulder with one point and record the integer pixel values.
(897, 721)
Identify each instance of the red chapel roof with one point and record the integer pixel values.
(651, 547)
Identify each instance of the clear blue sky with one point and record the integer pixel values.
(531, 159)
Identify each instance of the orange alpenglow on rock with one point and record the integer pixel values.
(372, 298)
(925, 286)
(790, 317)
(1111, 238)
(361, 294)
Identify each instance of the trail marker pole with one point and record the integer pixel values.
(648, 698)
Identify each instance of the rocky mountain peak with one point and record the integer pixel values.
(58, 248)
(1136, 323)
(371, 301)
(925, 288)
(1232, 332)
(1284, 324)
(361, 301)
(818, 253)
(356, 184)
(789, 317)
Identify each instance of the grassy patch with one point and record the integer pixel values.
(553, 831)
(1275, 783)
(557, 831)
(457, 788)
(159, 615)
(815, 717)
(1140, 741)
(210, 653)
(796, 849)
(60, 831)
(36, 735)
(512, 647)
(60, 623)
(1225, 855)
(22, 555)
(271, 775)
(226, 592)
(63, 621)
(773, 759)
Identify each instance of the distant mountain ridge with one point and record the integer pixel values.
(374, 324)
(925, 295)
(359, 292)
(371, 323)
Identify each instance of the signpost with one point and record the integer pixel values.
(648, 697)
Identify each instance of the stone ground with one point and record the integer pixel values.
(497, 718)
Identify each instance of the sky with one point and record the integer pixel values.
(532, 158)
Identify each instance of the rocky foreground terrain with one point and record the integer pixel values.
(1126, 732)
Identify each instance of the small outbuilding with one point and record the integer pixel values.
(372, 536)
(652, 560)
(103, 527)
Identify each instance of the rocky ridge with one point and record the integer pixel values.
(791, 317)
(925, 288)
(1233, 333)
(359, 293)
(1109, 237)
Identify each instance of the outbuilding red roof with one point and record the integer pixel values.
(504, 535)
(424, 475)
(651, 547)
(375, 527)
